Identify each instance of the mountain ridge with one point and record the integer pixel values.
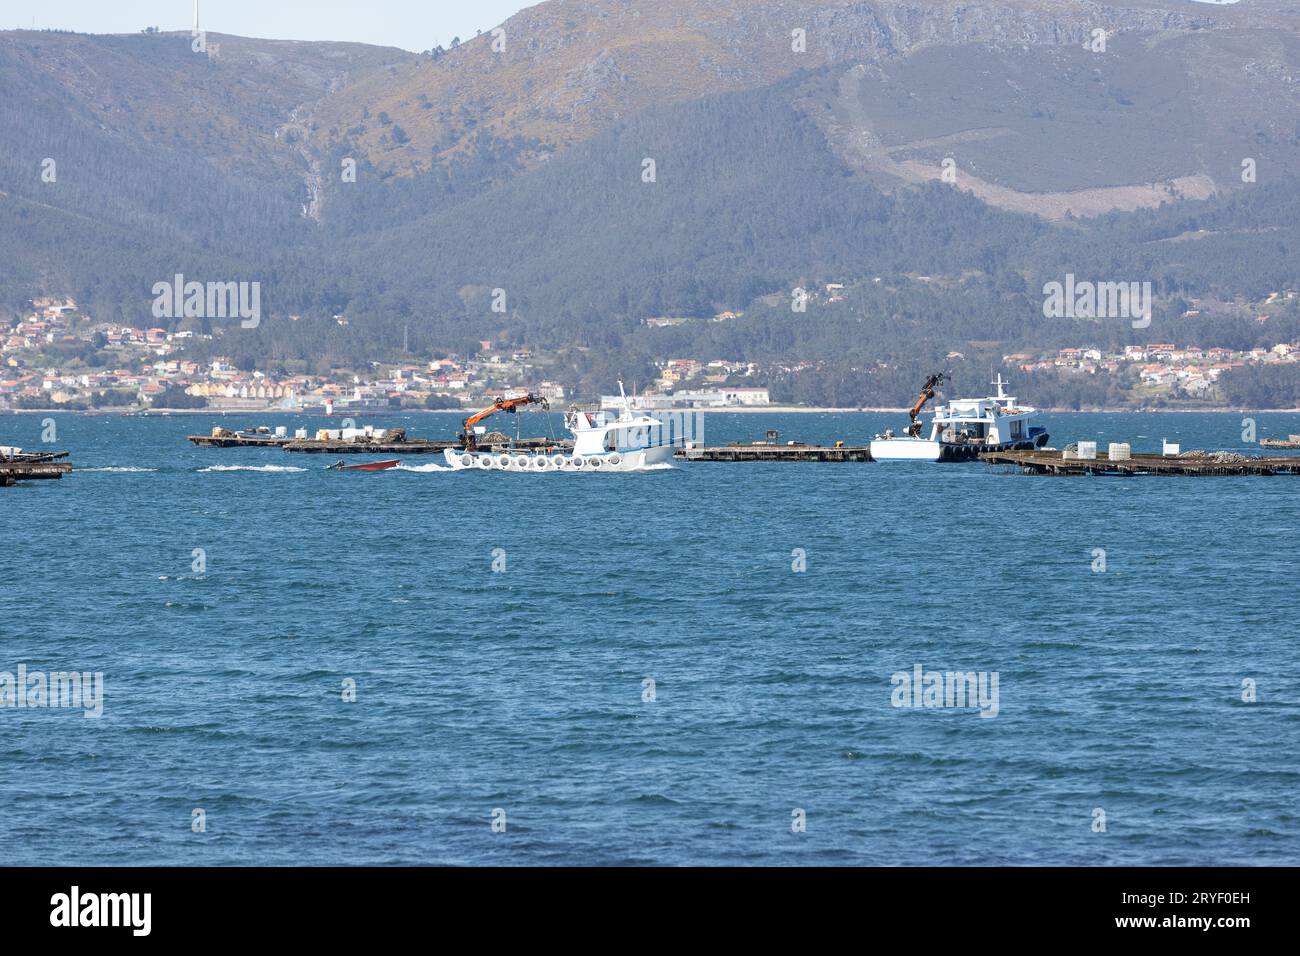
(230, 165)
(570, 67)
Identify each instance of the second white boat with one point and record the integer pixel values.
(963, 428)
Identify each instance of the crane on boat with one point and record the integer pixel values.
(508, 405)
(927, 393)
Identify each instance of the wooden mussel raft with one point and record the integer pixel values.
(359, 441)
(366, 441)
(261, 437)
(793, 452)
(344, 441)
(1291, 441)
(773, 450)
(1051, 462)
(17, 465)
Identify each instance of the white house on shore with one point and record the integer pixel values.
(712, 398)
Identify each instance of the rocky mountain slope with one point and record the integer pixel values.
(1007, 75)
(894, 134)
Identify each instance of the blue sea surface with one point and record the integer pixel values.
(503, 632)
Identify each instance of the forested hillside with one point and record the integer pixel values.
(237, 165)
(124, 160)
(748, 201)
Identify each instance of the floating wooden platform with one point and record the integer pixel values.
(12, 472)
(1291, 442)
(239, 441)
(360, 446)
(759, 451)
(1054, 463)
(418, 446)
(31, 457)
(412, 446)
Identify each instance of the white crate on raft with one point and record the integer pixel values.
(1119, 451)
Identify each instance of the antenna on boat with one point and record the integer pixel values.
(623, 395)
(999, 383)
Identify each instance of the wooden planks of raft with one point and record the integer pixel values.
(761, 452)
(416, 446)
(239, 441)
(12, 472)
(1054, 463)
(412, 446)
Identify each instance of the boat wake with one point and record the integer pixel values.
(421, 469)
(118, 470)
(279, 469)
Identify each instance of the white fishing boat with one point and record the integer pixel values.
(963, 428)
(602, 442)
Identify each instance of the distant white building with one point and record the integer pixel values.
(712, 398)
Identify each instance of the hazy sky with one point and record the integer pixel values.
(410, 24)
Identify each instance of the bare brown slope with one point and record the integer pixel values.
(1059, 131)
(571, 68)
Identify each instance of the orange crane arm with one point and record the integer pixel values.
(927, 393)
(500, 405)
(509, 405)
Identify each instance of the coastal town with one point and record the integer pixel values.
(57, 357)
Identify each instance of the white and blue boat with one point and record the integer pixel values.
(964, 428)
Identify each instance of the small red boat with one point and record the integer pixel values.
(341, 465)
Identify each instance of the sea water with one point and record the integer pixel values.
(694, 665)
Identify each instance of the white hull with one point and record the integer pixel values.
(635, 460)
(905, 449)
